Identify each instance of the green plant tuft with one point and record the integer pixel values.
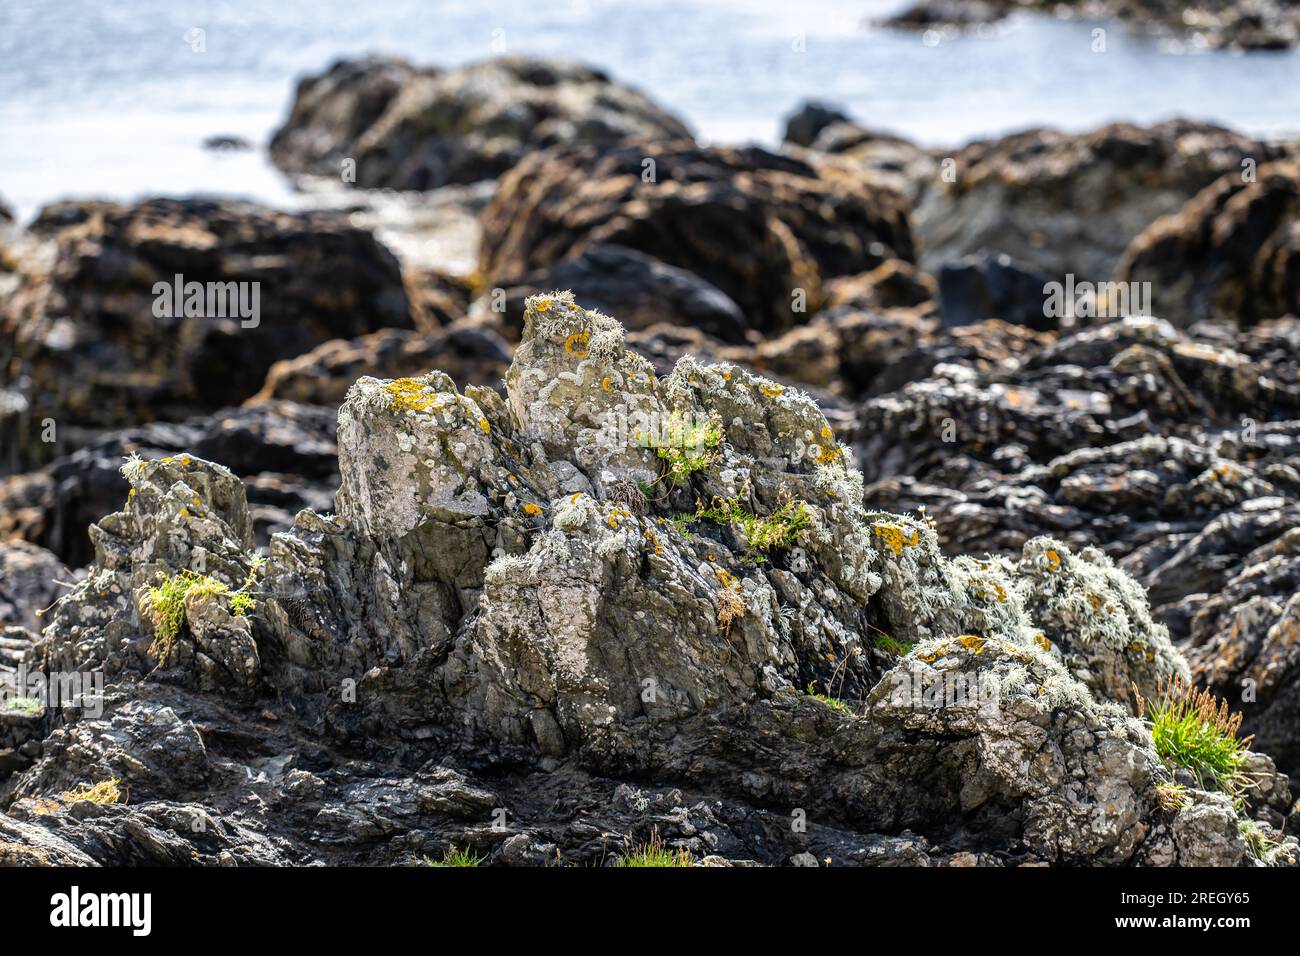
(780, 529)
(892, 645)
(165, 603)
(453, 857)
(685, 446)
(655, 852)
(1193, 729)
(834, 703)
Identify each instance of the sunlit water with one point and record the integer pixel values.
(101, 98)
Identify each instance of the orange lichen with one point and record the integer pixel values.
(576, 344)
(532, 509)
(1053, 560)
(771, 389)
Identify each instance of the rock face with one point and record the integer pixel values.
(1233, 252)
(518, 586)
(767, 231)
(401, 127)
(1176, 452)
(28, 583)
(1062, 203)
(98, 343)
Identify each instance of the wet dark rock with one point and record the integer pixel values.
(401, 127)
(803, 126)
(83, 350)
(768, 231)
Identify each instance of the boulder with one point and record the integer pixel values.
(98, 343)
(400, 127)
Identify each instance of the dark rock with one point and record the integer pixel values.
(804, 124)
(408, 128)
(30, 580)
(1231, 253)
(759, 227)
(85, 351)
(993, 287)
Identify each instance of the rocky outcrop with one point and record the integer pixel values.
(105, 340)
(527, 586)
(401, 127)
(1069, 203)
(1231, 253)
(767, 231)
(1241, 25)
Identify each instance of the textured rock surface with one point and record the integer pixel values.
(409, 128)
(1233, 252)
(83, 345)
(1071, 202)
(495, 600)
(757, 226)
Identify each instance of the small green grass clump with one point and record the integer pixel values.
(654, 852)
(1194, 730)
(29, 706)
(685, 446)
(1260, 846)
(780, 529)
(165, 603)
(834, 703)
(453, 857)
(892, 645)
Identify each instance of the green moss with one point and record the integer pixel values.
(165, 603)
(892, 645)
(103, 792)
(22, 705)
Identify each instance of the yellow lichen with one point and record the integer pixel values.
(532, 509)
(408, 395)
(771, 389)
(972, 642)
(1041, 640)
(1053, 560)
(895, 538)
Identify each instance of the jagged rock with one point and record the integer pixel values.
(1231, 253)
(284, 451)
(469, 352)
(495, 589)
(1069, 203)
(407, 128)
(759, 227)
(84, 348)
(28, 582)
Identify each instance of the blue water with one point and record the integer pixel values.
(103, 98)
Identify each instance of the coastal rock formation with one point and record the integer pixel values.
(1233, 252)
(104, 339)
(1239, 25)
(768, 231)
(1063, 203)
(396, 126)
(658, 596)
